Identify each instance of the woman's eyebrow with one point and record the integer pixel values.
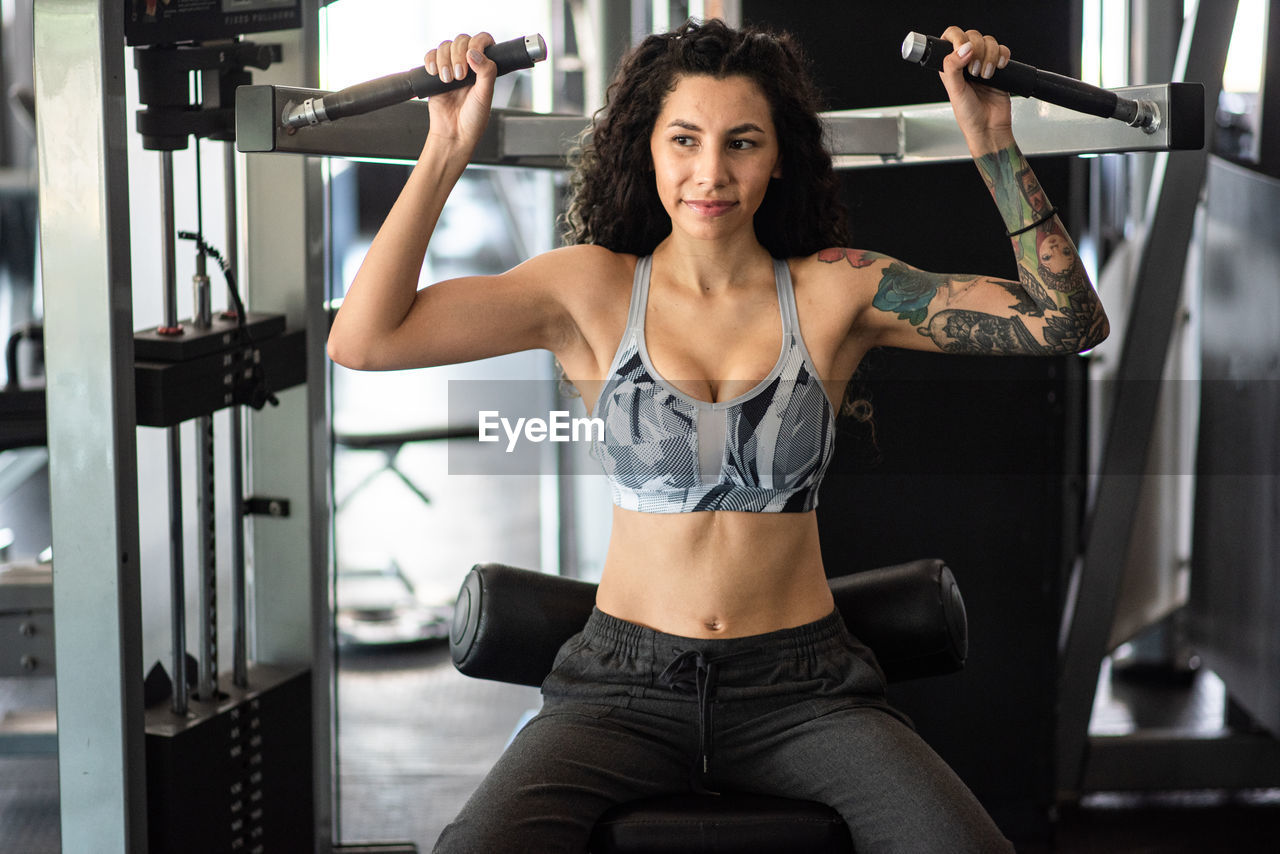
(745, 127)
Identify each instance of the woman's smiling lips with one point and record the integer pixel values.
(708, 207)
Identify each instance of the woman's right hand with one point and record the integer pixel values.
(982, 112)
(459, 117)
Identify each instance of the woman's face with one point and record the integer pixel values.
(1056, 253)
(714, 150)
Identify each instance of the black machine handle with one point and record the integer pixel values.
(405, 85)
(1018, 78)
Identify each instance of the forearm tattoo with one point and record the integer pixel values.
(961, 331)
(1052, 285)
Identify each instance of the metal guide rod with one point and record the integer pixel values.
(177, 574)
(922, 133)
(206, 519)
(203, 315)
(239, 617)
(202, 311)
(168, 242)
(177, 571)
(1157, 288)
(206, 486)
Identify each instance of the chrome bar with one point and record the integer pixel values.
(206, 486)
(239, 616)
(922, 133)
(239, 612)
(177, 575)
(177, 568)
(928, 132)
(282, 267)
(206, 520)
(202, 302)
(168, 248)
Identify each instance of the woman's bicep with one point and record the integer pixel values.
(468, 318)
(952, 313)
(460, 320)
(980, 315)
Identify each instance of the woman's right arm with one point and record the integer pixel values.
(385, 322)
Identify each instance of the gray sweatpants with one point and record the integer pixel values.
(629, 712)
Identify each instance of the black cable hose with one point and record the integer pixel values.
(233, 290)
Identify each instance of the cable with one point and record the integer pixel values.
(258, 400)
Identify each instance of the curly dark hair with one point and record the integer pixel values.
(615, 202)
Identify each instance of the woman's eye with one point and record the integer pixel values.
(741, 144)
(683, 141)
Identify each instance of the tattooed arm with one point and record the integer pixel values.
(1069, 315)
(1051, 309)
(1047, 313)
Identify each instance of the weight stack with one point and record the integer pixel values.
(234, 775)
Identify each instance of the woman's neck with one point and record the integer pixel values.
(710, 266)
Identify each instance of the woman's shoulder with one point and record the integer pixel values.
(837, 271)
(583, 261)
(582, 277)
(836, 260)
(838, 283)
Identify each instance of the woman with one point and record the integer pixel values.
(705, 221)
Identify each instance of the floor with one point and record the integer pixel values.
(1176, 823)
(28, 784)
(413, 780)
(415, 737)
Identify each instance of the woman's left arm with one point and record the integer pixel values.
(1052, 308)
(1056, 287)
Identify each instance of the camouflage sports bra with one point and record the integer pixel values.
(764, 451)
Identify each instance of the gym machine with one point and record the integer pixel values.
(918, 134)
(1161, 119)
(94, 406)
(227, 756)
(252, 737)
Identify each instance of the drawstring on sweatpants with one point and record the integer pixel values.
(701, 681)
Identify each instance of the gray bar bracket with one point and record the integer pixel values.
(922, 133)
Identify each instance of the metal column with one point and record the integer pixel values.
(239, 588)
(84, 218)
(1269, 100)
(283, 264)
(1176, 191)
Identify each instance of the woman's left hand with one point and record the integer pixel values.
(982, 112)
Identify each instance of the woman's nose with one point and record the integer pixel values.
(712, 168)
